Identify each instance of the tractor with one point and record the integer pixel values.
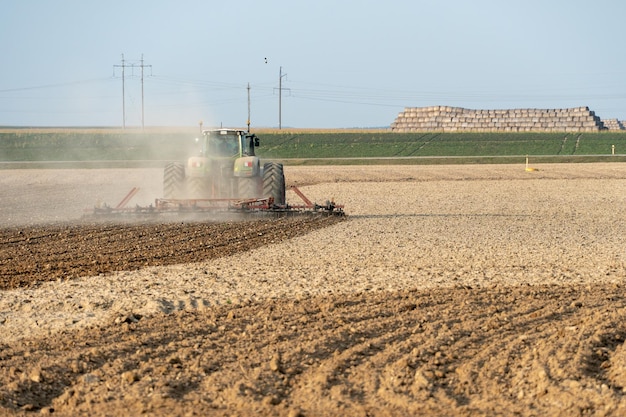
(225, 169)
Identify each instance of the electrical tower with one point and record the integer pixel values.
(280, 97)
(248, 122)
(132, 65)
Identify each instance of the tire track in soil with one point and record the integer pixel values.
(528, 350)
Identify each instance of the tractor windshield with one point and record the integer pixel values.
(221, 145)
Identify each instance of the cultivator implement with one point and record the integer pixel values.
(253, 206)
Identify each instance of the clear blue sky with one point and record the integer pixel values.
(346, 63)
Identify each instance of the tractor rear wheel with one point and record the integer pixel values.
(250, 187)
(173, 180)
(274, 182)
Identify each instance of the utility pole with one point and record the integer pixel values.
(280, 96)
(248, 108)
(123, 94)
(131, 65)
(142, 67)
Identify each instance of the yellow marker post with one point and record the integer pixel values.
(529, 169)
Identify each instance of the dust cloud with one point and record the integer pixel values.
(83, 169)
(65, 195)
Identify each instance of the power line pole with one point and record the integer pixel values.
(123, 95)
(142, 67)
(248, 107)
(280, 97)
(132, 65)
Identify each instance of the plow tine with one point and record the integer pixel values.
(126, 199)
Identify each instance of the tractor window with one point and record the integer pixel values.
(230, 146)
(222, 146)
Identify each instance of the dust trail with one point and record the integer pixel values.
(62, 195)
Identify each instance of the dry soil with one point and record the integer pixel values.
(447, 290)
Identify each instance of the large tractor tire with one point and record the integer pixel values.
(274, 182)
(198, 188)
(251, 187)
(173, 180)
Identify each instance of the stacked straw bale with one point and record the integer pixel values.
(458, 119)
(613, 124)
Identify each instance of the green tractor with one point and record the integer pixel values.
(226, 168)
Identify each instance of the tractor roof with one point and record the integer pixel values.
(224, 131)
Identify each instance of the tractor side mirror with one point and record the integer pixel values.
(254, 140)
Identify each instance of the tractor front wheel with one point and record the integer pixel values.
(198, 188)
(249, 188)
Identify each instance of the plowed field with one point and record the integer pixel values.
(36, 254)
(453, 291)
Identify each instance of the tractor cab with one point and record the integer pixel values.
(228, 143)
(220, 149)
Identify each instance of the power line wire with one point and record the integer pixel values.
(45, 86)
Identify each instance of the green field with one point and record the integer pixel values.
(366, 145)
(300, 147)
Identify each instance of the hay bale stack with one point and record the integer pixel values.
(613, 124)
(458, 119)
